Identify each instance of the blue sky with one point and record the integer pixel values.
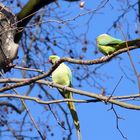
(95, 119)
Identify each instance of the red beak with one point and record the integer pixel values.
(50, 61)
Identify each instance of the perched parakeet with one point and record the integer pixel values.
(108, 45)
(63, 76)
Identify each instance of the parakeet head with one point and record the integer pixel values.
(53, 59)
(103, 38)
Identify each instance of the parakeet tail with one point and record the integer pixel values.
(75, 117)
(130, 43)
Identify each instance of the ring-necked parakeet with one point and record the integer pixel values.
(108, 44)
(62, 75)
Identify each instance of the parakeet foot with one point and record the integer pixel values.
(64, 88)
(51, 85)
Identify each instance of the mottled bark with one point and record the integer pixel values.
(8, 48)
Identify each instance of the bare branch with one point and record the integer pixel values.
(117, 121)
(28, 12)
(76, 91)
(10, 105)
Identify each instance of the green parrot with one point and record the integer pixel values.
(108, 44)
(63, 76)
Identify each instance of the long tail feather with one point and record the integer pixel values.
(130, 43)
(68, 95)
(75, 117)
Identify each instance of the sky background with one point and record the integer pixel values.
(97, 121)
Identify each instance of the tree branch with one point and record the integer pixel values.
(75, 61)
(15, 80)
(81, 92)
(139, 10)
(27, 12)
(37, 100)
(11, 105)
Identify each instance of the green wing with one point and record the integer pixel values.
(107, 40)
(107, 44)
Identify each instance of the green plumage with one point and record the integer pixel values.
(63, 76)
(108, 44)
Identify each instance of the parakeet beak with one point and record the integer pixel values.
(50, 61)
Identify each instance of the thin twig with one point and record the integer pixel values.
(131, 60)
(28, 111)
(10, 105)
(59, 105)
(114, 89)
(117, 122)
(29, 69)
(59, 123)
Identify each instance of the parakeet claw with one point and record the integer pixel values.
(64, 88)
(51, 84)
